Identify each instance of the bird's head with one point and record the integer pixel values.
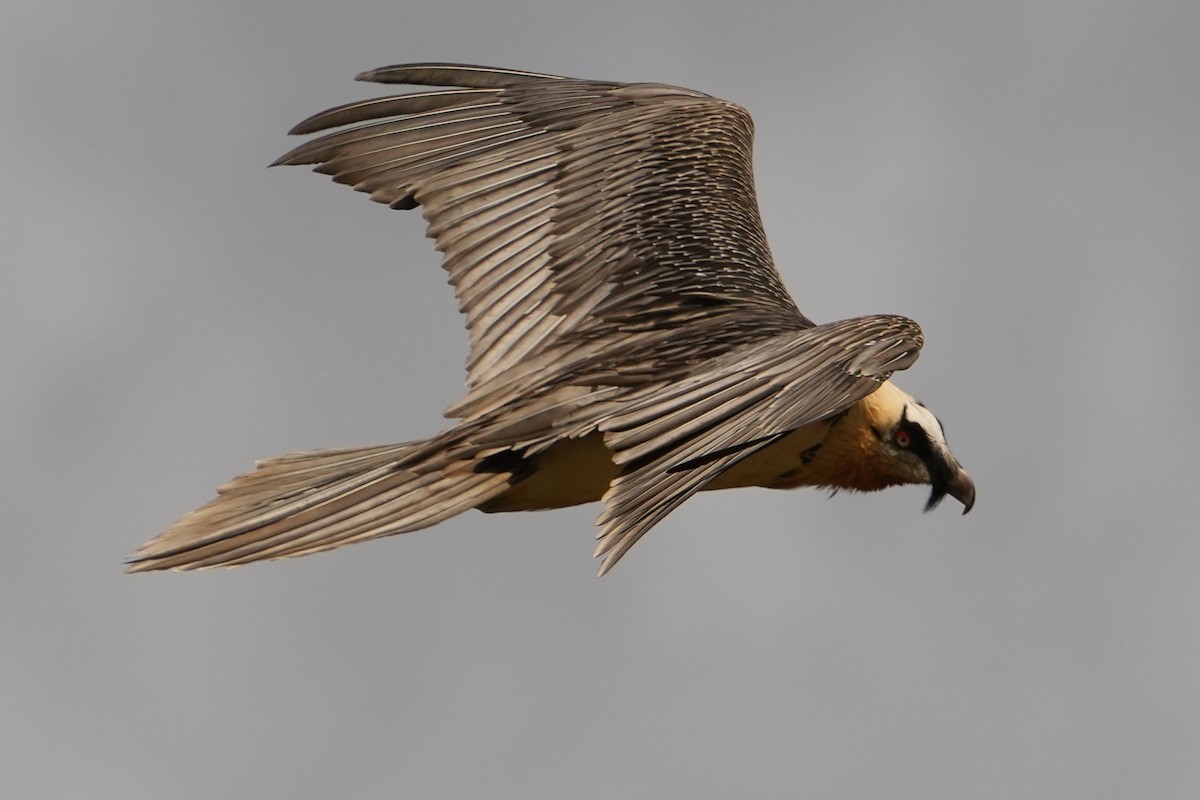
(913, 442)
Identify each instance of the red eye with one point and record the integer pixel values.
(901, 438)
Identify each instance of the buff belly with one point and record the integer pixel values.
(576, 471)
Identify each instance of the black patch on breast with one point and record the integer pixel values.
(808, 454)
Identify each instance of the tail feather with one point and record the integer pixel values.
(302, 503)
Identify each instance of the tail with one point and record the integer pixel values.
(303, 503)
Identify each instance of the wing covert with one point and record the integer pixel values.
(674, 441)
(575, 218)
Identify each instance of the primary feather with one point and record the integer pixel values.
(605, 246)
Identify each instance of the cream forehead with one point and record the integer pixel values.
(915, 412)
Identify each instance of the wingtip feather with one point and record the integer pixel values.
(450, 74)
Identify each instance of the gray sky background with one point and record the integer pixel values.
(1021, 178)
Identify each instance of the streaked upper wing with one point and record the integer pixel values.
(604, 243)
(580, 221)
(674, 441)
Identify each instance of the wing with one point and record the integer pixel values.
(587, 227)
(604, 243)
(673, 441)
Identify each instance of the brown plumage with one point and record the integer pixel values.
(630, 338)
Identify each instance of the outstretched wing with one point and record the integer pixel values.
(674, 441)
(604, 243)
(581, 221)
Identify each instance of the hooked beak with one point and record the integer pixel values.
(952, 480)
(962, 489)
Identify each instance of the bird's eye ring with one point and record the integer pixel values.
(902, 438)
